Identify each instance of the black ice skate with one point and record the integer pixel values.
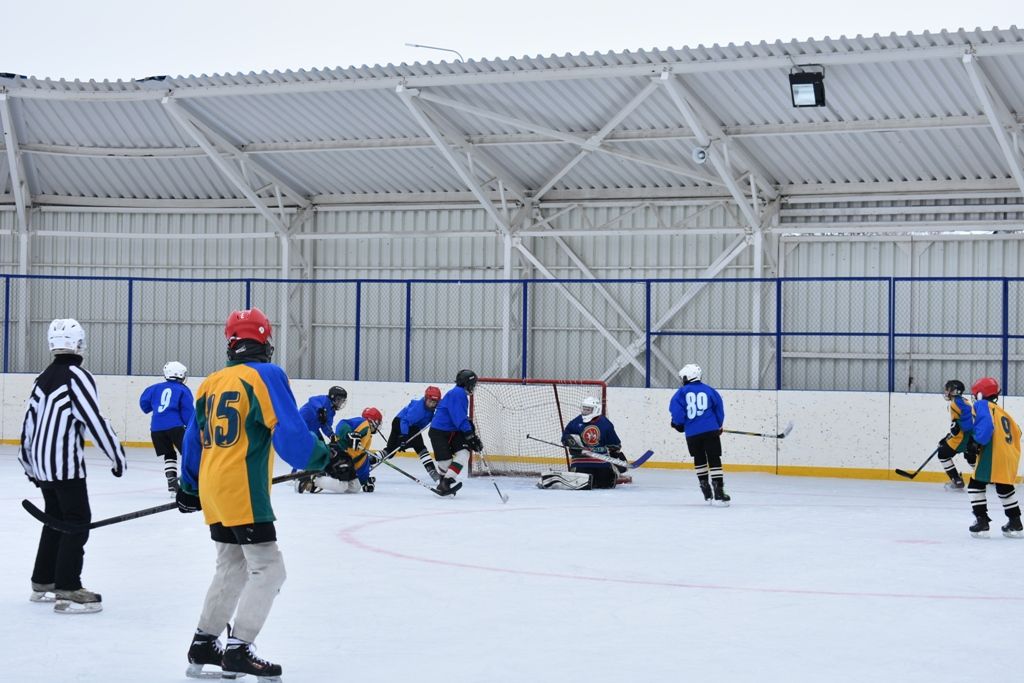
(721, 497)
(980, 527)
(307, 486)
(79, 601)
(447, 487)
(1013, 528)
(705, 488)
(240, 659)
(432, 471)
(955, 483)
(172, 482)
(206, 651)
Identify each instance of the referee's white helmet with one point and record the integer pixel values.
(66, 335)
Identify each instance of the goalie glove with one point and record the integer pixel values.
(572, 441)
(473, 442)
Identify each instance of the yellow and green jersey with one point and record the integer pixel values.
(961, 413)
(999, 436)
(241, 411)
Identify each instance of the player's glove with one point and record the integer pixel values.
(340, 465)
(572, 441)
(321, 415)
(679, 428)
(187, 502)
(954, 429)
(369, 484)
(473, 442)
(117, 470)
(971, 452)
(355, 441)
(374, 458)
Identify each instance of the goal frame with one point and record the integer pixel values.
(565, 413)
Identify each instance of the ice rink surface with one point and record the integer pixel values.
(799, 580)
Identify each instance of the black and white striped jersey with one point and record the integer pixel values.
(62, 410)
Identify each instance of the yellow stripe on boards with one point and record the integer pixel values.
(783, 470)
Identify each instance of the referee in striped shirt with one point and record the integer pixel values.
(62, 410)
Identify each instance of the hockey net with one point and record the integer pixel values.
(506, 410)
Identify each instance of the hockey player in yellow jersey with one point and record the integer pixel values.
(961, 416)
(996, 445)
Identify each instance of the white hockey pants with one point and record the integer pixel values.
(247, 579)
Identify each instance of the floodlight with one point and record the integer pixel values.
(807, 88)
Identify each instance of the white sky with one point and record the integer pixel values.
(110, 39)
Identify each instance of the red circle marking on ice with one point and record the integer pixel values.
(348, 535)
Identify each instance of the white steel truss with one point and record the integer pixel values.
(1002, 121)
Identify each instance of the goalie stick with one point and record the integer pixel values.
(72, 528)
(601, 456)
(911, 475)
(781, 435)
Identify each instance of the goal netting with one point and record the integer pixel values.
(506, 410)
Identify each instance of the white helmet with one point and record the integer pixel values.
(66, 336)
(590, 409)
(690, 373)
(175, 370)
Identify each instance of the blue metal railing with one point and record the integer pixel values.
(889, 314)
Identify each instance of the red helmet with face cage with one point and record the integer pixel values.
(248, 324)
(432, 393)
(373, 416)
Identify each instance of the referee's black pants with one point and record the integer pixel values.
(60, 556)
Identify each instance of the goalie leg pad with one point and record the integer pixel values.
(569, 481)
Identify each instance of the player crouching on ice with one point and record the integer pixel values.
(591, 439)
(354, 434)
(996, 446)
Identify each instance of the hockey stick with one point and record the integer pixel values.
(504, 498)
(911, 475)
(72, 528)
(601, 456)
(406, 474)
(781, 435)
(399, 448)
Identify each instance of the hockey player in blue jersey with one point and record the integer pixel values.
(409, 422)
(170, 403)
(593, 433)
(452, 433)
(318, 412)
(697, 410)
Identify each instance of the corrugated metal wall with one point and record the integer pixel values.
(728, 326)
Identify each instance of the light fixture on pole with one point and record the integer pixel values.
(434, 47)
(807, 85)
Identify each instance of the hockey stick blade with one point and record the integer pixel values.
(504, 498)
(911, 475)
(72, 528)
(785, 432)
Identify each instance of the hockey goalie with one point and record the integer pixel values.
(594, 448)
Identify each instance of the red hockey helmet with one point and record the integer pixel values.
(373, 416)
(432, 394)
(248, 324)
(986, 387)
